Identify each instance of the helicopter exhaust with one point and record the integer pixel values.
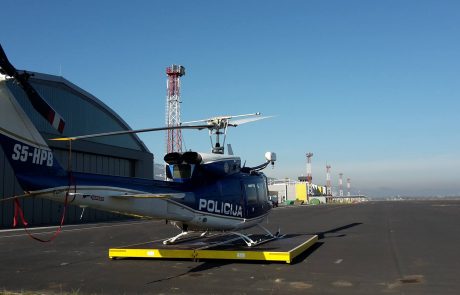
(192, 158)
(173, 158)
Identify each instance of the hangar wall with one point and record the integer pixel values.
(124, 155)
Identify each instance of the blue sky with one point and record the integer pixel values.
(370, 87)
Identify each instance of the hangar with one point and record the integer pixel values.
(124, 155)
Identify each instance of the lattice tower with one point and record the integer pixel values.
(348, 186)
(340, 185)
(173, 100)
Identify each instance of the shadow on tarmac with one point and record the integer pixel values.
(322, 235)
(207, 265)
(195, 271)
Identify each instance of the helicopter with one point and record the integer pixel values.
(204, 192)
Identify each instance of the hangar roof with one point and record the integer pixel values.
(63, 96)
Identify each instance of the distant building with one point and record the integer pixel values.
(283, 188)
(124, 155)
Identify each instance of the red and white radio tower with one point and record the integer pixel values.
(340, 185)
(348, 186)
(309, 177)
(328, 180)
(174, 137)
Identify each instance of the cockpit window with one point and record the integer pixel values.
(262, 191)
(251, 193)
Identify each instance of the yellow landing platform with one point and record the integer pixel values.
(284, 249)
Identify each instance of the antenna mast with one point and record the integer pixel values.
(340, 185)
(309, 177)
(328, 180)
(348, 187)
(174, 137)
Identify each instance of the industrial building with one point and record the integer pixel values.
(284, 189)
(304, 191)
(124, 155)
(288, 191)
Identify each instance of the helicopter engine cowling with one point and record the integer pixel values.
(219, 165)
(181, 166)
(222, 168)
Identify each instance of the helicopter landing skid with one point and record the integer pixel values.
(267, 238)
(184, 236)
(250, 242)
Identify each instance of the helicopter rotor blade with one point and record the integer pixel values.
(212, 124)
(247, 120)
(37, 101)
(199, 127)
(213, 119)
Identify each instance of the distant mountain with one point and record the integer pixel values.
(158, 171)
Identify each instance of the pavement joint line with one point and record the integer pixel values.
(65, 228)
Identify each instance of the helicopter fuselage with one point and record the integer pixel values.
(229, 202)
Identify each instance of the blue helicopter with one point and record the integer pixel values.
(204, 192)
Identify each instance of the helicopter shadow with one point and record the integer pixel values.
(198, 270)
(325, 234)
(332, 233)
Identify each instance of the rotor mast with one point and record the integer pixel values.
(220, 123)
(174, 136)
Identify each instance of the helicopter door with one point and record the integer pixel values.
(262, 192)
(256, 202)
(251, 199)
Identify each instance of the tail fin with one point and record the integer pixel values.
(24, 147)
(229, 150)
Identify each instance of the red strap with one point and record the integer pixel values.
(15, 222)
(18, 210)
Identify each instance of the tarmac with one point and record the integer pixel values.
(401, 247)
